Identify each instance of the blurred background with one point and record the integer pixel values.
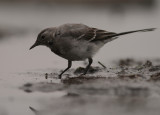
(22, 20)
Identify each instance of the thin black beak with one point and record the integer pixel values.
(34, 45)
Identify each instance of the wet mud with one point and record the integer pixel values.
(131, 88)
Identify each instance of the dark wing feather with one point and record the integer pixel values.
(94, 34)
(88, 35)
(83, 32)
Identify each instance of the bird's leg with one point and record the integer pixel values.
(69, 66)
(88, 66)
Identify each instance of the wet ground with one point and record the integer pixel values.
(28, 79)
(132, 88)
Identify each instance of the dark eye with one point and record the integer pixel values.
(43, 37)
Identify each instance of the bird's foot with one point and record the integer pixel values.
(59, 76)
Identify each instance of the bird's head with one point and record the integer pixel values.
(45, 37)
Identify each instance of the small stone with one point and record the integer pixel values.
(46, 75)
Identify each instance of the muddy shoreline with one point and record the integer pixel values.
(131, 88)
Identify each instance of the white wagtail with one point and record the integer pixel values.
(77, 42)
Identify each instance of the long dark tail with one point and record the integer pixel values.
(129, 32)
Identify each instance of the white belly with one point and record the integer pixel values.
(77, 50)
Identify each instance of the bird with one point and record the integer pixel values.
(77, 42)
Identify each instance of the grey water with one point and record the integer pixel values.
(20, 23)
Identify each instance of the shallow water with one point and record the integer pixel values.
(18, 66)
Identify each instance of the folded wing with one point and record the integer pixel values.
(94, 34)
(83, 32)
